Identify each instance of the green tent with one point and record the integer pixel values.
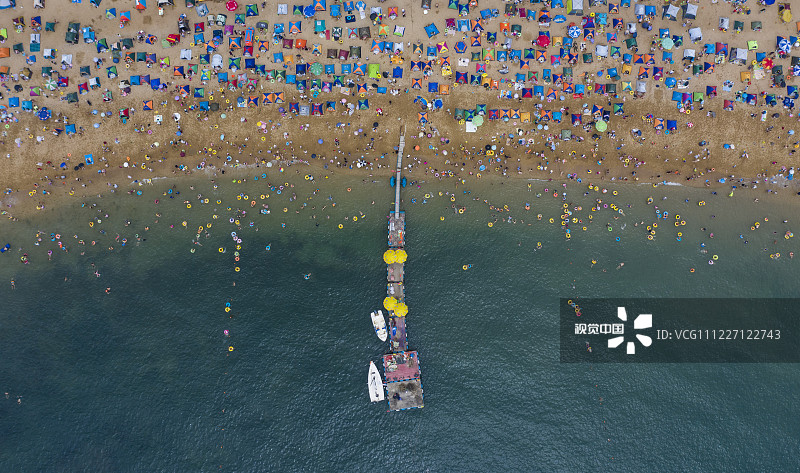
(374, 71)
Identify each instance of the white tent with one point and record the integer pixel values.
(186, 54)
(671, 12)
(630, 28)
(695, 34)
(66, 59)
(638, 9)
(689, 54)
(283, 9)
(399, 30)
(398, 47)
(691, 12)
(601, 50)
(575, 7)
(463, 62)
(38, 3)
(4, 4)
(216, 60)
(724, 23)
(641, 86)
(739, 55)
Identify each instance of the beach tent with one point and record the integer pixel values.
(689, 11)
(574, 7)
(431, 30)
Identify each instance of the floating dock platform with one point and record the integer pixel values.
(403, 382)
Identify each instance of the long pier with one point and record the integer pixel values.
(401, 368)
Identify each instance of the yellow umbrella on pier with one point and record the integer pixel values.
(389, 303)
(401, 255)
(401, 309)
(390, 257)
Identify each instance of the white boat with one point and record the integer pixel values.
(375, 383)
(380, 325)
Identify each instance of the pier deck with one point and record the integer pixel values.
(401, 366)
(397, 334)
(405, 394)
(401, 369)
(397, 229)
(395, 273)
(403, 382)
(396, 290)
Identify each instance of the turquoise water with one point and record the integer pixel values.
(142, 379)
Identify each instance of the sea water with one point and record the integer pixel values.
(146, 378)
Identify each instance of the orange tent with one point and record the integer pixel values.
(5, 52)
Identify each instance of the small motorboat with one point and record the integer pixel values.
(5, 248)
(392, 181)
(375, 384)
(403, 182)
(380, 325)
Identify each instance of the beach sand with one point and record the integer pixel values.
(124, 157)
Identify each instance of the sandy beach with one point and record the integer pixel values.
(40, 168)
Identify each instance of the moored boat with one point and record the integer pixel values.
(375, 384)
(379, 323)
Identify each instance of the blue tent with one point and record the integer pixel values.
(70, 129)
(397, 72)
(89, 159)
(155, 83)
(204, 105)
(432, 30)
(13, 102)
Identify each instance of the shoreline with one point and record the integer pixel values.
(25, 206)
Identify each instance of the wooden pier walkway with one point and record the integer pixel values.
(401, 369)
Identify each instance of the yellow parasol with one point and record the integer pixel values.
(389, 257)
(401, 255)
(786, 16)
(401, 309)
(389, 303)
